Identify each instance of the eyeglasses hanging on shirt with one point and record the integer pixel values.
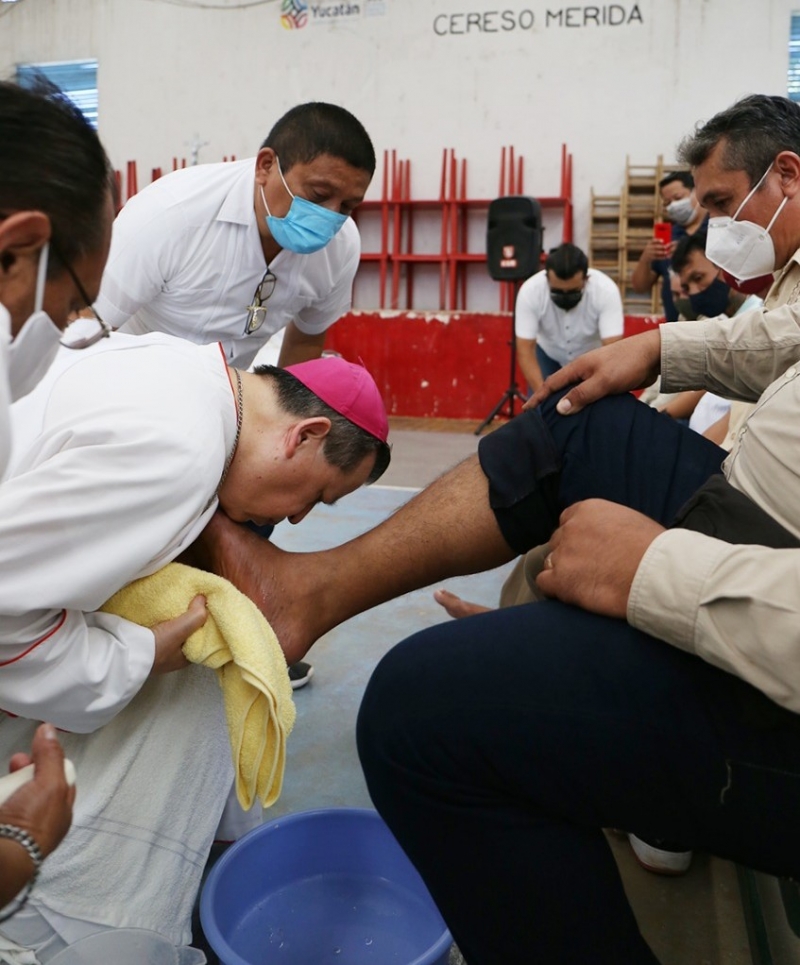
(257, 312)
(88, 328)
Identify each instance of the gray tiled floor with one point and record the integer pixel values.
(693, 920)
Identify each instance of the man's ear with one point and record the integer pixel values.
(788, 166)
(266, 159)
(22, 237)
(22, 234)
(307, 432)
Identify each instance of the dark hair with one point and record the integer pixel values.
(566, 260)
(346, 444)
(755, 130)
(309, 130)
(52, 161)
(684, 177)
(688, 244)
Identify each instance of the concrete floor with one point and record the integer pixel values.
(692, 920)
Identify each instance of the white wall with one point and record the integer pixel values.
(169, 71)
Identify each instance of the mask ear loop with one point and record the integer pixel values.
(775, 216)
(288, 190)
(264, 199)
(280, 171)
(752, 192)
(41, 277)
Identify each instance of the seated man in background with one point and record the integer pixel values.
(709, 296)
(103, 489)
(562, 312)
(659, 689)
(687, 216)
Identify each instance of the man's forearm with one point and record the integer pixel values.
(529, 365)
(643, 277)
(708, 354)
(298, 347)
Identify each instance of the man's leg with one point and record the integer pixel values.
(478, 515)
(447, 529)
(497, 787)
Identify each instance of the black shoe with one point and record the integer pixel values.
(300, 673)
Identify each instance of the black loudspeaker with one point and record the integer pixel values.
(514, 238)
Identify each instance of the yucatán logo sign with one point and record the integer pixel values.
(302, 13)
(550, 17)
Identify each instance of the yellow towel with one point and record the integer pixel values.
(241, 646)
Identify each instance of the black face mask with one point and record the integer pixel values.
(712, 301)
(685, 310)
(566, 300)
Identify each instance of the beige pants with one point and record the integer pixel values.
(520, 587)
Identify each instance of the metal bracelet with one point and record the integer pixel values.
(13, 833)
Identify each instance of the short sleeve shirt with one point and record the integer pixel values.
(564, 335)
(186, 259)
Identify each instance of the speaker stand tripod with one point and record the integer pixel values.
(512, 393)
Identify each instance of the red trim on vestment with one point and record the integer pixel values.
(35, 644)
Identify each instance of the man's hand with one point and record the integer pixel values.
(172, 634)
(655, 250)
(594, 555)
(43, 806)
(632, 363)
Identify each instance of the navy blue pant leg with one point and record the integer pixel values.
(547, 364)
(496, 747)
(617, 449)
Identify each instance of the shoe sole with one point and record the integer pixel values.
(672, 863)
(298, 684)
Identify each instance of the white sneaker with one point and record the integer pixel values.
(660, 857)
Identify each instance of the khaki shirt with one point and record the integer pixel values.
(738, 607)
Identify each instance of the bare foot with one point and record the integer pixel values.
(457, 607)
(279, 583)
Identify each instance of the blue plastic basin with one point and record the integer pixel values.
(328, 886)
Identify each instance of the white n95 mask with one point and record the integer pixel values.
(31, 353)
(742, 248)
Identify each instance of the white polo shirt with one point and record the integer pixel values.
(566, 335)
(186, 259)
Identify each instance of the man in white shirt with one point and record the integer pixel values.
(238, 251)
(564, 311)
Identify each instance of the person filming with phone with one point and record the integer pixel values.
(685, 217)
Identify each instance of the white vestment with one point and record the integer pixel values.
(116, 458)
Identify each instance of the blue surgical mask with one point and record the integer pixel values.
(306, 227)
(712, 301)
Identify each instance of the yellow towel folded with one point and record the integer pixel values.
(240, 645)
